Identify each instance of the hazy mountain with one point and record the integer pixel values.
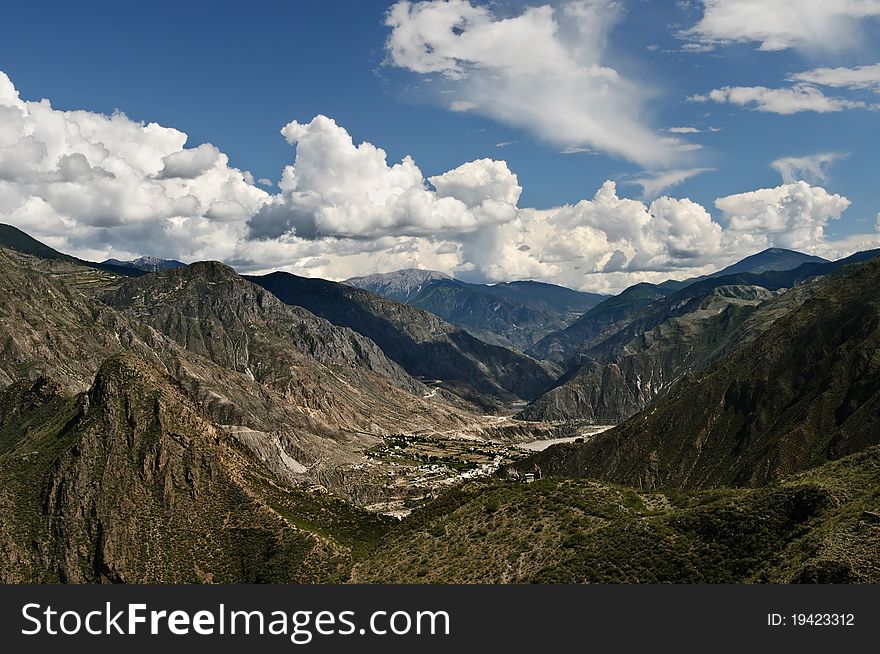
(515, 314)
(400, 286)
(147, 264)
(419, 341)
(805, 391)
(510, 314)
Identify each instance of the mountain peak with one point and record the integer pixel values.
(211, 269)
(399, 285)
(770, 259)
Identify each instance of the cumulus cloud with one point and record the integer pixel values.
(100, 186)
(341, 190)
(790, 216)
(191, 163)
(560, 87)
(779, 101)
(813, 168)
(603, 235)
(783, 24)
(89, 182)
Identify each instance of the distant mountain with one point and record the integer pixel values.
(514, 314)
(771, 259)
(559, 346)
(805, 391)
(510, 314)
(423, 344)
(400, 286)
(147, 264)
(629, 369)
(564, 344)
(619, 366)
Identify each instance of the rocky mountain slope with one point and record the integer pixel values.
(563, 345)
(131, 482)
(306, 397)
(631, 367)
(515, 314)
(625, 354)
(16, 240)
(400, 285)
(421, 343)
(805, 391)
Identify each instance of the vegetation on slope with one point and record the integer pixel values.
(820, 526)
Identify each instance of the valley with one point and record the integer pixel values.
(720, 429)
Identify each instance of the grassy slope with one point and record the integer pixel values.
(820, 526)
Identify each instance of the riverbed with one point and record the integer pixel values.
(587, 433)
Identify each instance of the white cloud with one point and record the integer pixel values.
(191, 163)
(860, 77)
(783, 24)
(791, 216)
(812, 168)
(779, 101)
(604, 235)
(88, 182)
(683, 130)
(698, 47)
(341, 190)
(100, 186)
(559, 87)
(479, 183)
(655, 183)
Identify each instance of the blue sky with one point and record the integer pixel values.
(234, 74)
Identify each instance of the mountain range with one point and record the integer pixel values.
(147, 264)
(190, 424)
(804, 392)
(509, 314)
(624, 353)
